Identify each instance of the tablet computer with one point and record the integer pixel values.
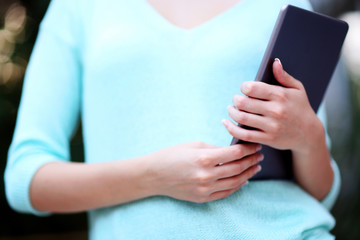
(308, 45)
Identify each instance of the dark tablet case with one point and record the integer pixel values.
(308, 45)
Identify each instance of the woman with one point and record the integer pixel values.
(151, 81)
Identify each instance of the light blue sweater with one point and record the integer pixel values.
(140, 84)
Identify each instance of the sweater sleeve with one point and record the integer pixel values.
(49, 106)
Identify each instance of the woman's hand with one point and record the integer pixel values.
(200, 172)
(195, 172)
(283, 119)
(282, 114)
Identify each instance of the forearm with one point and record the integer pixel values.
(312, 168)
(190, 172)
(66, 187)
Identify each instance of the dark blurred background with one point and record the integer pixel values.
(19, 21)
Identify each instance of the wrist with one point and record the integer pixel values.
(311, 165)
(127, 180)
(145, 180)
(313, 140)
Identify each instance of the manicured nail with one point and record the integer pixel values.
(258, 169)
(278, 60)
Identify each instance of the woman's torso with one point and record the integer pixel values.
(148, 84)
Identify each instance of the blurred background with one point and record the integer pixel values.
(19, 21)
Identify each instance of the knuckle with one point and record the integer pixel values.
(239, 151)
(240, 167)
(276, 127)
(281, 111)
(241, 117)
(234, 183)
(203, 178)
(240, 102)
(278, 112)
(237, 167)
(204, 160)
(281, 95)
(246, 136)
(272, 138)
(203, 191)
(201, 195)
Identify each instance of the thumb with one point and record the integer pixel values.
(283, 77)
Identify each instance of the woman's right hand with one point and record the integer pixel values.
(200, 172)
(195, 172)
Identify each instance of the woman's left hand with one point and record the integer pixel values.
(281, 115)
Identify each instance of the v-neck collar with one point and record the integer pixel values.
(160, 19)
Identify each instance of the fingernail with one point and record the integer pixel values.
(260, 158)
(225, 122)
(278, 60)
(245, 88)
(258, 169)
(258, 148)
(244, 184)
(229, 107)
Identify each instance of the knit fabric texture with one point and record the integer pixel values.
(140, 84)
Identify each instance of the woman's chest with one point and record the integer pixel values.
(188, 14)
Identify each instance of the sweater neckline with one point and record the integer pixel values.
(164, 22)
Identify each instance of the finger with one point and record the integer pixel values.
(234, 152)
(200, 144)
(223, 194)
(248, 119)
(259, 90)
(262, 91)
(237, 167)
(283, 77)
(220, 195)
(250, 105)
(236, 181)
(254, 136)
(262, 123)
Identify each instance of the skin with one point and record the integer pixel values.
(197, 171)
(274, 111)
(188, 14)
